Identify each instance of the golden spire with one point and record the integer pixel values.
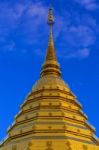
(50, 66)
(51, 52)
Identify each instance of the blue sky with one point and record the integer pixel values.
(23, 43)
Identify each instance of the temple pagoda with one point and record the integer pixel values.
(50, 118)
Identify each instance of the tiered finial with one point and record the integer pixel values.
(51, 50)
(51, 66)
(50, 16)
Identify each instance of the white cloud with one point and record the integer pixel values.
(80, 35)
(22, 20)
(27, 22)
(88, 4)
(9, 20)
(76, 54)
(77, 37)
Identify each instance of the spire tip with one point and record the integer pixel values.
(50, 16)
(50, 66)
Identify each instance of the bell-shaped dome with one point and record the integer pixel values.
(50, 81)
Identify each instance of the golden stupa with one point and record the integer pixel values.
(50, 118)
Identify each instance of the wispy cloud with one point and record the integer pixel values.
(88, 4)
(9, 20)
(76, 54)
(21, 20)
(10, 16)
(23, 26)
(78, 37)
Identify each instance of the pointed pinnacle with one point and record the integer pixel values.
(51, 66)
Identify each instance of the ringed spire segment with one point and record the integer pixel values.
(50, 16)
(51, 66)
